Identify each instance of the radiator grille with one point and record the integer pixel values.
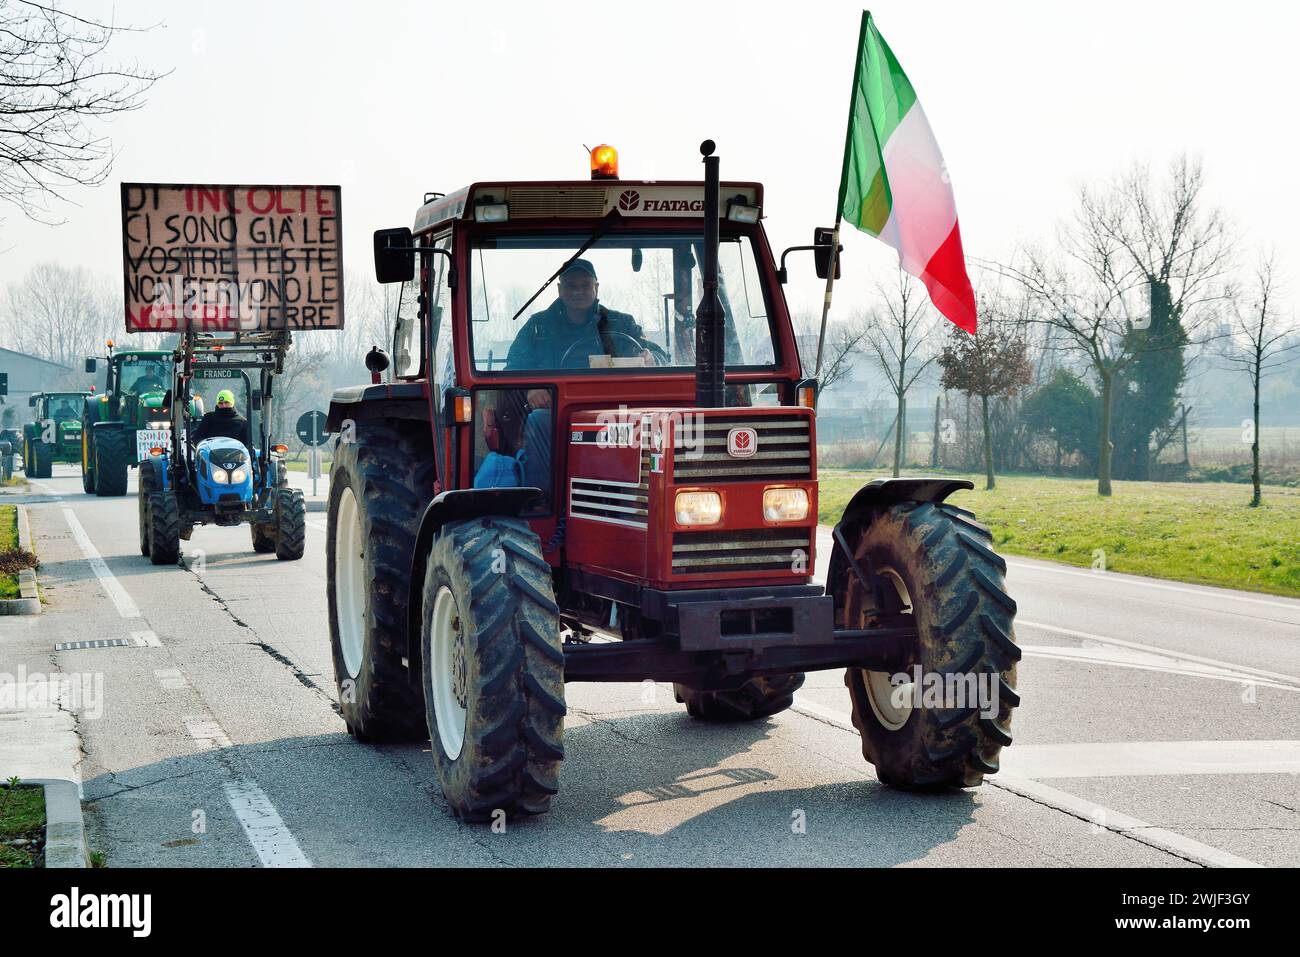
(618, 502)
(534, 202)
(784, 451)
(761, 550)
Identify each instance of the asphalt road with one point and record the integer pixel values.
(1159, 726)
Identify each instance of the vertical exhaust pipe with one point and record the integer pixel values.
(710, 371)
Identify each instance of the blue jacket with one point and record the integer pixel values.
(548, 335)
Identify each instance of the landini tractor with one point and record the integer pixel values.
(119, 426)
(55, 436)
(223, 480)
(595, 459)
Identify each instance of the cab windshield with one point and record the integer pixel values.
(141, 374)
(627, 303)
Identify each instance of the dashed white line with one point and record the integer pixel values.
(171, 678)
(272, 840)
(208, 735)
(126, 606)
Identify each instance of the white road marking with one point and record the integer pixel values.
(1119, 642)
(1122, 759)
(1104, 817)
(208, 735)
(1141, 661)
(272, 840)
(1096, 814)
(171, 678)
(126, 607)
(1140, 582)
(146, 639)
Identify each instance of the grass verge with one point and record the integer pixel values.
(22, 826)
(1192, 532)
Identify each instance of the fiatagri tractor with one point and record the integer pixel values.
(222, 480)
(619, 483)
(121, 424)
(55, 436)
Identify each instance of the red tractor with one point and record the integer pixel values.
(595, 460)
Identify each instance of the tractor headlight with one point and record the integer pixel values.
(785, 504)
(237, 477)
(220, 476)
(698, 508)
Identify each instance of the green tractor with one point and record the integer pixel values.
(55, 436)
(120, 426)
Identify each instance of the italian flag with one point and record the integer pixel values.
(895, 185)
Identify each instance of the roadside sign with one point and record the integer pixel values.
(311, 428)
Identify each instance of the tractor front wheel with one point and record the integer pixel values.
(263, 538)
(291, 525)
(164, 528)
(756, 698)
(112, 462)
(493, 669)
(937, 571)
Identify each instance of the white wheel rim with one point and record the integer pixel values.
(890, 703)
(350, 582)
(447, 672)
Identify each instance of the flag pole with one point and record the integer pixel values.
(844, 182)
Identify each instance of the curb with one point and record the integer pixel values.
(313, 506)
(30, 602)
(65, 828)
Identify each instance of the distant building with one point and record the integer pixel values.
(28, 374)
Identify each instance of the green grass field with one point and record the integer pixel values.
(1203, 532)
(8, 542)
(22, 817)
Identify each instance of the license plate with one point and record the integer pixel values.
(147, 439)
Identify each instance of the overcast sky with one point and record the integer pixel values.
(390, 99)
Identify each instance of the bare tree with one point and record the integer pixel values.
(59, 313)
(898, 339)
(993, 362)
(844, 341)
(1260, 340)
(55, 85)
(1137, 274)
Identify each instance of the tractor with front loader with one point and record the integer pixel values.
(187, 480)
(126, 419)
(594, 459)
(55, 435)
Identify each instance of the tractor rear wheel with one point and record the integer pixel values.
(939, 571)
(164, 528)
(291, 525)
(112, 461)
(87, 461)
(756, 698)
(493, 669)
(42, 459)
(142, 507)
(380, 484)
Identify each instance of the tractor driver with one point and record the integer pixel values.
(551, 339)
(223, 422)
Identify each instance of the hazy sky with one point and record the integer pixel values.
(390, 99)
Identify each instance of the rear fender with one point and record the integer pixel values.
(452, 506)
(158, 465)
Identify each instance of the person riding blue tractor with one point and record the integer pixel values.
(211, 471)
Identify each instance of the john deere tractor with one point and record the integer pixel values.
(121, 425)
(55, 436)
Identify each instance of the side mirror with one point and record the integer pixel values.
(91, 364)
(31, 400)
(822, 238)
(394, 255)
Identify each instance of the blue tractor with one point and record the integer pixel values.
(221, 480)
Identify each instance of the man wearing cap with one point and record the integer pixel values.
(550, 338)
(223, 421)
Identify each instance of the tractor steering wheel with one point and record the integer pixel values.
(657, 354)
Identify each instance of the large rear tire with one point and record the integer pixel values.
(493, 669)
(291, 525)
(380, 484)
(756, 698)
(940, 571)
(112, 461)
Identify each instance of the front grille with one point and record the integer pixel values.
(534, 202)
(761, 550)
(784, 451)
(619, 502)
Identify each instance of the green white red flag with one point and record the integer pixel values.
(895, 184)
